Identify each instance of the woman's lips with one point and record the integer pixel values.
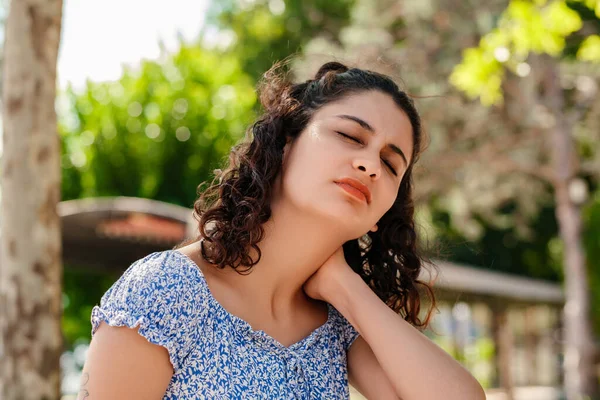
(353, 189)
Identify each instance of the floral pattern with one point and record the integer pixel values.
(216, 355)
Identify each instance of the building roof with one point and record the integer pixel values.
(110, 233)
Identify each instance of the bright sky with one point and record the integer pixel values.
(98, 36)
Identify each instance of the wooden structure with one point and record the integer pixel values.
(110, 233)
(523, 321)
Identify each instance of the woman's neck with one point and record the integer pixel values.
(294, 246)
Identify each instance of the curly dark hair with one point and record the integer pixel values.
(232, 210)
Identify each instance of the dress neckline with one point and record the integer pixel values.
(244, 327)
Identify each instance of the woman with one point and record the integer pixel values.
(306, 254)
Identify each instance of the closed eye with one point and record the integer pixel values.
(389, 166)
(387, 163)
(349, 137)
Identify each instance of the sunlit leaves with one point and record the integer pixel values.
(590, 49)
(265, 26)
(592, 5)
(541, 30)
(525, 27)
(479, 75)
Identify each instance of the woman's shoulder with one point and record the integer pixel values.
(165, 295)
(167, 277)
(169, 267)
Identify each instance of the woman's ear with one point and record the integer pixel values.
(374, 228)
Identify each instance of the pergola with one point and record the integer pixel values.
(109, 233)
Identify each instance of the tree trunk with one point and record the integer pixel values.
(580, 376)
(30, 241)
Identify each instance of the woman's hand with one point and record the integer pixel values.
(320, 285)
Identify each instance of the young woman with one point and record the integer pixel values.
(304, 275)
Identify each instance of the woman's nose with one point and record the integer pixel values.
(368, 167)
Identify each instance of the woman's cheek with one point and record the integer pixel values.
(390, 199)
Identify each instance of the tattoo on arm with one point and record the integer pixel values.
(83, 392)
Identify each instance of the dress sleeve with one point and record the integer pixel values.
(164, 297)
(347, 332)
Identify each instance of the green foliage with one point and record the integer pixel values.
(525, 27)
(503, 248)
(592, 5)
(474, 356)
(158, 132)
(480, 74)
(82, 290)
(590, 49)
(268, 31)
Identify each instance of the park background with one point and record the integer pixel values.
(151, 96)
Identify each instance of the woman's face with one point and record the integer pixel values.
(347, 164)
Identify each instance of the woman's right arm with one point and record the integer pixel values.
(122, 364)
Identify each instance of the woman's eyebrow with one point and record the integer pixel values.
(366, 126)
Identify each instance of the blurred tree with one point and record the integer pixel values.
(82, 291)
(502, 248)
(541, 28)
(158, 132)
(465, 174)
(30, 256)
(264, 31)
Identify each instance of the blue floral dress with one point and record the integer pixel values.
(216, 355)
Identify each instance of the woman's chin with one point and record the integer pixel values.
(338, 210)
(343, 216)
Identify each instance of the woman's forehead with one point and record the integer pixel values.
(372, 111)
(373, 105)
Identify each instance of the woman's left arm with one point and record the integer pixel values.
(416, 367)
(391, 358)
